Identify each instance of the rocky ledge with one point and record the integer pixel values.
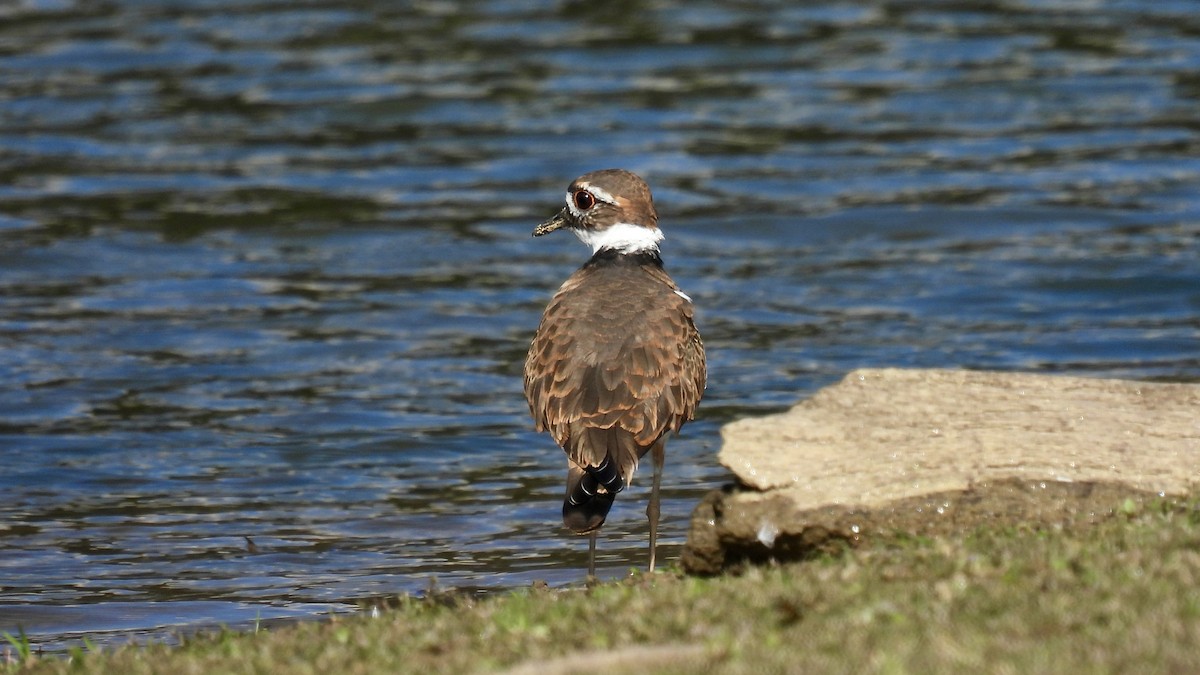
(922, 452)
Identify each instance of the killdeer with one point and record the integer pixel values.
(616, 363)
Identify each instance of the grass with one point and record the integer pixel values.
(19, 649)
(1119, 596)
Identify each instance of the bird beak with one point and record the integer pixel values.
(557, 222)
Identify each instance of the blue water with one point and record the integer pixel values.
(266, 272)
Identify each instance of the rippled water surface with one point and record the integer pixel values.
(266, 272)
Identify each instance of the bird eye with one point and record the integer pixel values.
(584, 200)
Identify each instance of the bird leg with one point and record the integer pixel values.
(659, 454)
(592, 553)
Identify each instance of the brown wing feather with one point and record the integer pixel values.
(623, 357)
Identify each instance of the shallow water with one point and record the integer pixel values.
(266, 268)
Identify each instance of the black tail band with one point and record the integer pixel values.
(583, 492)
(589, 500)
(607, 476)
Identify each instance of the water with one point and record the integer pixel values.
(266, 272)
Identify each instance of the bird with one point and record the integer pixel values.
(616, 363)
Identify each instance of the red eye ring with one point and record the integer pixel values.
(583, 199)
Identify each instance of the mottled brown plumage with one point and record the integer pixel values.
(616, 362)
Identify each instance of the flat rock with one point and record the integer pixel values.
(920, 452)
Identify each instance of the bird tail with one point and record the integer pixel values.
(590, 494)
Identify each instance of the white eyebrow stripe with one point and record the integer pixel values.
(599, 193)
